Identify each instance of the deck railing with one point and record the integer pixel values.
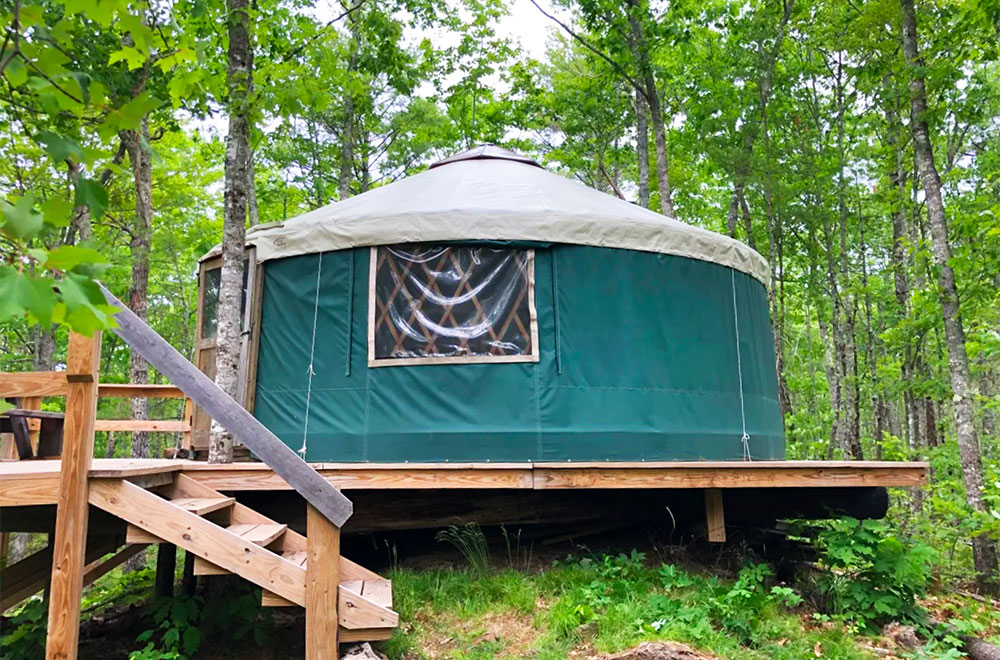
(327, 508)
(32, 386)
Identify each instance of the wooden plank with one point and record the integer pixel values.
(155, 425)
(357, 611)
(357, 586)
(322, 585)
(138, 390)
(726, 477)
(69, 546)
(369, 476)
(22, 438)
(261, 533)
(200, 536)
(372, 477)
(364, 635)
(33, 383)
(715, 521)
(233, 417)
(256, 303)
(202, 505)
(379, 591)
(30, 575)
(100, 567)
(138, 535)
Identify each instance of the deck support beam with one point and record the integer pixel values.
(322, 586)
(68, 558)
(166, 567)
(715, 519)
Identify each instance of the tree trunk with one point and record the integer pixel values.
(142, 171)
(849, 438)
(640, 53)
(240, 83)
(983, 548)
(252, 212)
(347, 133)
(642, 147)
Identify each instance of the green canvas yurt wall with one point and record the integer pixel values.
(638, 361)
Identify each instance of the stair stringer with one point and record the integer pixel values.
(201, 537)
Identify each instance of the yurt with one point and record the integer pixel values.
(489, 310)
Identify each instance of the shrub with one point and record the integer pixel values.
(870, 576)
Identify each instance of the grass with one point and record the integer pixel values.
(578, 607)
(591, 606)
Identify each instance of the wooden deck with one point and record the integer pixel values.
(37, 482)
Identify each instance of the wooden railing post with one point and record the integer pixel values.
(322, 585)
(69, 547)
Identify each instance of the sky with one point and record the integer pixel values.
(527, 25)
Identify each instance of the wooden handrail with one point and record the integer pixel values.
(53, 383)
(233, 417)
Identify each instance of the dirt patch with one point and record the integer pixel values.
(508, 633)
(659, 651)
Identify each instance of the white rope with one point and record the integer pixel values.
(312, 355)
(739, 368)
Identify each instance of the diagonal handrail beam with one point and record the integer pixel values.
(233, 417)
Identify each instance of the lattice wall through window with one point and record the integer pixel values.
(431, 304)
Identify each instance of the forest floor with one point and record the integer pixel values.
(520, 601)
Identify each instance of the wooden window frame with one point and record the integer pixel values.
(533, 356)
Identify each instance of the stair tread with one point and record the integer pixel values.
(297, 558)
(377, 591)
(261, 534)
(203, 505)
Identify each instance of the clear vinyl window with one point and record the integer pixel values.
(435, 304)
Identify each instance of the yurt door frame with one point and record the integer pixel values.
(206, 348)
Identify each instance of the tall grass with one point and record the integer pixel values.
(471, 542)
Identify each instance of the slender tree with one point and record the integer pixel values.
(983, 548)
(239, 81)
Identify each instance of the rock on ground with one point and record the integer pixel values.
(660, 651)
(361, 652)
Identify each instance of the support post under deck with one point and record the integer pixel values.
(69, 547)
(715, 519)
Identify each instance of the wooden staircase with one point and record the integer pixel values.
(229, 538)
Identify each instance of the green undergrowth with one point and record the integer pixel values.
(580, 606)
(591, 605)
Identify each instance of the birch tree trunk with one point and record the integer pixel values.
(252, 212)
(240, 84)
(983, 548)
(642, 147)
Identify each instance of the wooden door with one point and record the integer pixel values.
(206, 346)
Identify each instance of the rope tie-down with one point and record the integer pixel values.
(312, 355)
(745, 439)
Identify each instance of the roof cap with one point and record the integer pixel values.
(486, 151)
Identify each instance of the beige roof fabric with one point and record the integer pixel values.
(490, 197)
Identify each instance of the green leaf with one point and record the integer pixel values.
(132, 57)
(129, 115)
(83, 82)
(68, 257)
(24, 294)
(21, 220)
(16, 72)
(57, 211)
(60, 148)
(30, 15)
(86, 309)
(92, 194)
